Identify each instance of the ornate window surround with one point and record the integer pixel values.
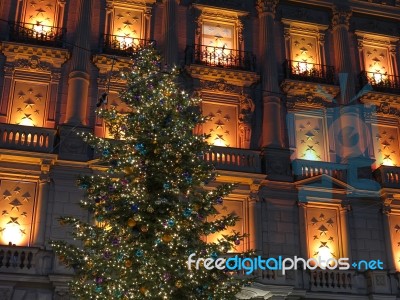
(382, 41)
(217, 15)
(305, 28)
(142, 6)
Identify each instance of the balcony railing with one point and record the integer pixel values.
(123, 45)
(307, 168)
(26, 138)
(388, 176)
(31, 33)
(381, 82)
(220, 57)
(27, 260)
(305, 71)
(332, 281)
(234, 159)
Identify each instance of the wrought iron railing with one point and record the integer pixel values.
(381, 82)
(36, 33)
(220, 57)
(123, 45)
(300, 70)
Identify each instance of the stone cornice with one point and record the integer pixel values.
(309, 93)
(216, 13)
(34, 57)
(105, 63)
(231, 76)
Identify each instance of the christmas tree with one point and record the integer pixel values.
(150, 209)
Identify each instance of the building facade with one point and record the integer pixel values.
(303, 100)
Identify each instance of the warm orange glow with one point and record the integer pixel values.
(26, 122)
(325, 254)
(42, 26)
(310, 155)
(303, 53)
(13, 234)
(127, 26)
(128, 41)
(218, 42)
(386, 145)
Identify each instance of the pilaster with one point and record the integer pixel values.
(78, 82)
(343, 62)
(169, 32)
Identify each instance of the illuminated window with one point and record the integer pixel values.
(17, 206)
(305, 52)
(121, 107)
(386, 144)
(39, 21)
(228, 117)
(394, 225)
(127, 26)
(309, 137)
(221, 124)
(378, 60)
(218, 42)
(324, 231)
(29, 103)
(238, 208)
(219, 39)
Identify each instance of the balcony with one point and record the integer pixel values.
(233, 159)
(304, 71)
(24, 260)
(27, 138)
(307, 168)
(388, 176)
(123, 45)
(333, 281)
(37, 34)
(381, 82)
(220, 57)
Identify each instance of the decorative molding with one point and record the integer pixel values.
(267, 6)
(220, 85)
(231, 76)
(382, 102)
(341, 17)
(219, 14)
(33, 57)
(32, 63)
(309, 94)
(105, 63)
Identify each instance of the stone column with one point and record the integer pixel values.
(41, 215)
(343, 62)
(390, 260)
(78, 82)
(272, 104)
(169, 32)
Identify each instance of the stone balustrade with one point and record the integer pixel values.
(388, 176)
(27, 138)
(234, 159)
(27, 260)
(308, 168)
